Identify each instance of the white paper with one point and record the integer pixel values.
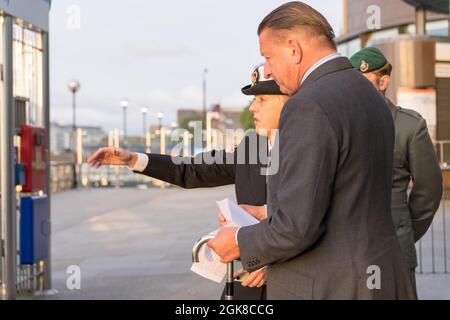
(210, 266)
(235, 214)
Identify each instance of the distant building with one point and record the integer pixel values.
(226, 129)
(93, 136)
(184, 115)
(229, 118)
(61, 137)
(397, 18)
(414, 36)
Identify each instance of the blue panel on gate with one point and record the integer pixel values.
(34, 229)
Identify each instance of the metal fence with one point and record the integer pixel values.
(62, 177)
(442, 148)
(432, 249)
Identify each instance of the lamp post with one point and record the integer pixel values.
(74, 86)
(144, 111)
(209, 117)
(205, 73)
(160, 116)
(162, 133)
(124, 103)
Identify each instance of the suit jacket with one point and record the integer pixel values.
(414, 160)
(330, 233)
(241, 167)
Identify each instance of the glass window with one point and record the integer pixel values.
(353, 47)
(27, 65)
(434, 28)
(437, 28)
(383, 34)
(347, 49)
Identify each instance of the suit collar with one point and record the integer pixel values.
(331, 66)
(318, 64)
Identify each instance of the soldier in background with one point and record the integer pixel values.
(414, 161)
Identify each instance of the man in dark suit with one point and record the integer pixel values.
(329, 234)
(414, 161)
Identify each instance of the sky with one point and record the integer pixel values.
(153, 53)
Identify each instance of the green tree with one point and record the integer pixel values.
(246, 119)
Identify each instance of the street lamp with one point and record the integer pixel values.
(144, 111)
(160, 116)
(124, 103)
(74, 86)
(205, 72)
(162, 133)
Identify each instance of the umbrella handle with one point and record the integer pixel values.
(198, 245)
(230, 266)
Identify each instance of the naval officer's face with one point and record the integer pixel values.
(266, 111)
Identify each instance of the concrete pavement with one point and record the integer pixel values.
(136, 244)
(133, 244)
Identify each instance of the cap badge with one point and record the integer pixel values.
(364, 66)
(255, 77)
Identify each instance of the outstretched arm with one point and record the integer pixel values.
(186, 172)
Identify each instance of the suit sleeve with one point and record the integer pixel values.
(308, 153)
(192, 172)
(426, 192)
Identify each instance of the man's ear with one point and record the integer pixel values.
(296, 50)
(384, 83)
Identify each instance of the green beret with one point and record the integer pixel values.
(368, 60)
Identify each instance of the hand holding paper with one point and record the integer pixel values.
(235, 214)
(210, 266)
(224, 244)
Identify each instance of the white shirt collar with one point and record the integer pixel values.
(319, 63)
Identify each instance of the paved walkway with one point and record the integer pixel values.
(136, 244)
(133, 244)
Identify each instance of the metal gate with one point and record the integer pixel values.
(432, 249)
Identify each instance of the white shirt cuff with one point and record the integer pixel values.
(236, 236)
(141, 163)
